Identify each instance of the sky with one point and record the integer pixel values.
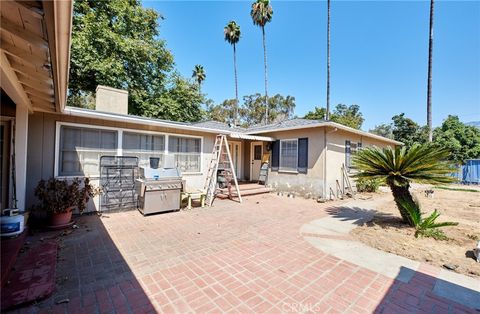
(379, 54)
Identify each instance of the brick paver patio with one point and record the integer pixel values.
(235, 258)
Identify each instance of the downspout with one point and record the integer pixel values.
(325, 144)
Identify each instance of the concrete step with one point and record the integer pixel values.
(259, 189)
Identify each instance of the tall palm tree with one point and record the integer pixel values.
(199, 75)
(261, 14)
(398, 167)
(429, 84)
(232, 36)
(327, 115)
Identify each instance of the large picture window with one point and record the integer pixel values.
(186, 153)
(80, 150)
(144, 146)
(288, 155)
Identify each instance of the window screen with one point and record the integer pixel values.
(289, 155)
(144, 146)
(81, 148)
(186, 153)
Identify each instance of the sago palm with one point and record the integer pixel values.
(398, 167)
(261, 14)
(232, 36)
(199, 75)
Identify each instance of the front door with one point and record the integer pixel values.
(256, 152)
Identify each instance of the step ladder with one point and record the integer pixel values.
(221, 159)
(346, 184)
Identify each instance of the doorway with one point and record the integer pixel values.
(256, 153)
(236, 153)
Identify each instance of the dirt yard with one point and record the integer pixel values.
(385, 232)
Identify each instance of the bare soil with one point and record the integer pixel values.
(386, 231)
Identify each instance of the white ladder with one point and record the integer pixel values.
(220, 155)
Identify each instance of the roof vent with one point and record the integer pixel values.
(109, 99)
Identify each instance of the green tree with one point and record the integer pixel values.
(280, 108)
(232, 36)
(252, 111)
(383, 129)
(116, 43)
(224, 112)
(343, 114)
(460, 140)
(408, 131)
(199, 75)
(398, 167)
(348, 115)
(261, 14)
(180, 102)
(319, 113)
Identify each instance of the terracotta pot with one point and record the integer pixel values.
(60, 219)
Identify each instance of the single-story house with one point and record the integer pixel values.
(54, 140)
(306, 156)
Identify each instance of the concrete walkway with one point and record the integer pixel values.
(330, 234)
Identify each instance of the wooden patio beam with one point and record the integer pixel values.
(31, 72)
(20, 32)
(11, 85)
(25, 56)
(22, 5)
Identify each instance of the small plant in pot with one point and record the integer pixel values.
(60, 197)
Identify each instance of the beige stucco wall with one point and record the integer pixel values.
(318, 176)
(41, 149)
(308, 184)
(336, 153)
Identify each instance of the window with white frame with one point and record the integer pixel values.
(80, 150)
(186, 152)
(288, 155)
(144, 146)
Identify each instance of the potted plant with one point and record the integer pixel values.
(59, 198)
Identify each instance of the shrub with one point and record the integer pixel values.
(426, 227)
(399, 166)
(366, 185)
(59, 196)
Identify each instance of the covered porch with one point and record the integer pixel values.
(248, 153)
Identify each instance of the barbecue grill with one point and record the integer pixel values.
(158, 189)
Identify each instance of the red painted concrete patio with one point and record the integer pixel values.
(235, 258)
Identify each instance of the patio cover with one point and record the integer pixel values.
(251, 137)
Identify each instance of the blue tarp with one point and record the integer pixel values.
(470, 172)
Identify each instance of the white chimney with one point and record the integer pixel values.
(109, 99)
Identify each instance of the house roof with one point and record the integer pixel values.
(88, 113)
(286, 124)
(219, 127)
(296, 124)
